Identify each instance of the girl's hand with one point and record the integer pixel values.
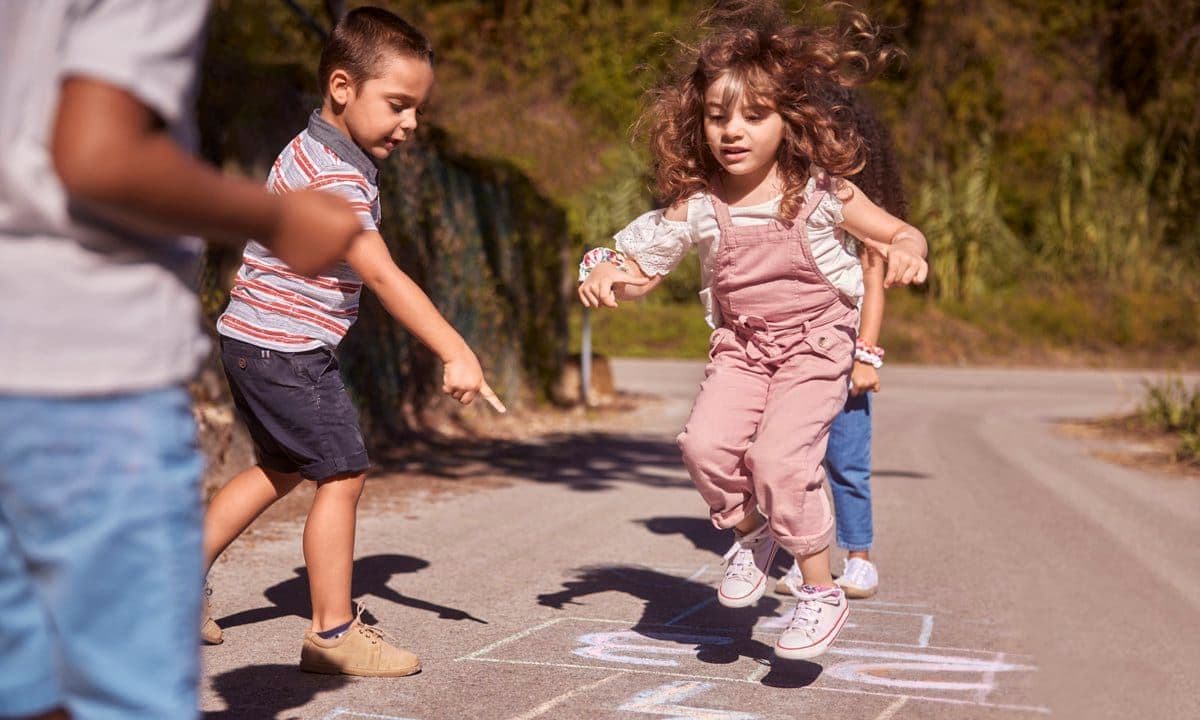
(863, 378)
(904, 265)
(462, 379)
(600, 287)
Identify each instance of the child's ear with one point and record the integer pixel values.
(341, 87)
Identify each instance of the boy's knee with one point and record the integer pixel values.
(349, 485)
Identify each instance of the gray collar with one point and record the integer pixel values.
(325, 133)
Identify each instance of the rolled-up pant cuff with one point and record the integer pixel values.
(805, 545)
(726, 519)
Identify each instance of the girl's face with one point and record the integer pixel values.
(743, 134)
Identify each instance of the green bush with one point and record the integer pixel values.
(1170, 406)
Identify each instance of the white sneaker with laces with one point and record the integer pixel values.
(859, 578)
(791, 580)
(819, 616)
(749, 559)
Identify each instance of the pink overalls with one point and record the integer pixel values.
(776, 378)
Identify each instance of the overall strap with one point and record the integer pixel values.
(810, 206)
(724, 221)
(821, 188)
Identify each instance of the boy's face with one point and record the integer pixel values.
(380, 113)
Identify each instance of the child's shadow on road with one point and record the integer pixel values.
(264, 691)
(371, 577)
(720, 635)
(704, 536)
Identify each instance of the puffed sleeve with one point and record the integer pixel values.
(828, 213)
(827, 218)
(656, 243)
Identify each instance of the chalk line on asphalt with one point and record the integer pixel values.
(851, 652)
(556, 701)
(949, 701)
(891, 710)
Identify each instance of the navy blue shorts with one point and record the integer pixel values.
(296, 408)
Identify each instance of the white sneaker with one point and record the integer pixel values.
(790, 582)
(749, 559)
(816, 622)
(859, 578)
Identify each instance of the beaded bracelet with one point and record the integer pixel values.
(595, 256)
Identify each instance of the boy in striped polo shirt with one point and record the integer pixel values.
(280, 329)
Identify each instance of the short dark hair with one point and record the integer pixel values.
(363, 38)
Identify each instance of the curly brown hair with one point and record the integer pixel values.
(880, 178)
(799, 71)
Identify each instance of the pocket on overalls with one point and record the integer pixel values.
(832, 345)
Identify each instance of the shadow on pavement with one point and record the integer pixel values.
(667, 598)
(912, 474)
(371, 577)
(704, 536)
(587, 461)
(264, 691)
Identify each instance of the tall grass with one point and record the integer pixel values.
(972, 249)
(1109, 217)
(1170, 406)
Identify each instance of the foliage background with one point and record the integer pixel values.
(1049, 152)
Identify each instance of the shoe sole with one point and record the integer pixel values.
(333, 670)
(857, 593)
(211, 639)
(815, 650)
(754, 595)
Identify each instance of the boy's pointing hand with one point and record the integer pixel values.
(488, 394)
(462, 379)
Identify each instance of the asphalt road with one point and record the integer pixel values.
(1022, 577)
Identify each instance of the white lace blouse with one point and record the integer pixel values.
(658, 244)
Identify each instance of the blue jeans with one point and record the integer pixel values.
(848, 462)
(100, 556)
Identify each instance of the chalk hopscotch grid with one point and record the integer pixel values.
(478, 656)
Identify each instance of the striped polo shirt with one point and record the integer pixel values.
(272, 306)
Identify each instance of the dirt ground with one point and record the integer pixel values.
(1133, 447)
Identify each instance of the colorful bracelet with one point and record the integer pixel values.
(865, 352)
(860, 344)
(869, 358)
(595, 256)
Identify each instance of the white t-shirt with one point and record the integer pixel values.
(87, 308)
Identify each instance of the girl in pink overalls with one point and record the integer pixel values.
(749, 149)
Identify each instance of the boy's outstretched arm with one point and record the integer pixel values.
(405, 301)
(115, 158)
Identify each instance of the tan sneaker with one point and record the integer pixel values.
(361, 650)
(210, 631)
